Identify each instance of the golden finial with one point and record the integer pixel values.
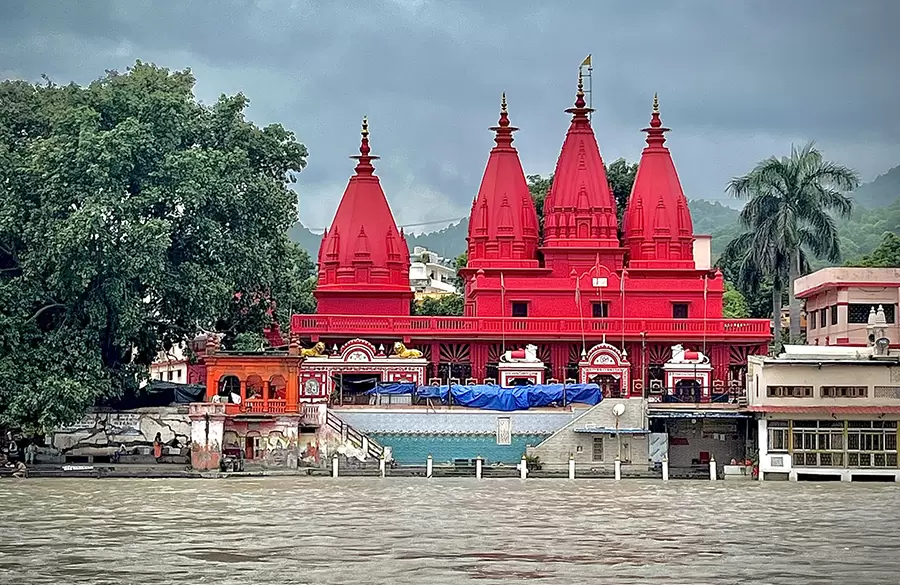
(503, 103)
(580, 83)
(365, 127)
(655, 103)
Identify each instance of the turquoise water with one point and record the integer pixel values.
(414, 449)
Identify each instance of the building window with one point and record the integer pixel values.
(178, 374)
(597, 449)
(600, 310)
(519, 309)
(823, 317)
(812, 320)
(679, 310)
(169, 375)
(844, 391)
(872, 443)
(789, 391)
(778, 435)
(818, 443)
(834, 314)
(504, 430)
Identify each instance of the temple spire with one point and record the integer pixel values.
(503, 130)
(364, 165)
(655, 133)
(580, 111)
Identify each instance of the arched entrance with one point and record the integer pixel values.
(608, 367)
(687, 390)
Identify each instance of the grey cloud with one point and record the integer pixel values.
(738, 81)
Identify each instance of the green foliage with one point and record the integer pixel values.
(788, 218)
(249, 341)
(734, 305)
(130, 217)
(439, 306)
(620, 174)
(539, 187)
(887, 255)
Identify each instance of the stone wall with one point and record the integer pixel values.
(101, 432)
(554, 451)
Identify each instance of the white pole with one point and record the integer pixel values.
(382, 465)
(429, 466)
(523, 468)
(665, 467)
(334, 466)
(618, 469)
(571, 466)
(478, 463)
(712, 469)
(365, 448)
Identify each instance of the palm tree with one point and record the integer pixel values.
(789, 213)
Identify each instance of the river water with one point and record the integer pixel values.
(417, 531)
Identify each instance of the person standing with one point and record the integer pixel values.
(157, 447)
(30, 452)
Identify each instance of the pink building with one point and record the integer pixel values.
(842, 304)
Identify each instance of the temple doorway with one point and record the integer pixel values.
(610, 386)
(687, 391)
(520, 382)
(352, 388)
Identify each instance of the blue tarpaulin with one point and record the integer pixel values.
(393, 388)
(493, 397)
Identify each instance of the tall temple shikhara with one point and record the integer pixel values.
(578, 280)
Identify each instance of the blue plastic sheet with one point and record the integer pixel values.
(493, 397)
(393, 388)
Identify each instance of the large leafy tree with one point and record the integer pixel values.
(790, 213)
(132, 216)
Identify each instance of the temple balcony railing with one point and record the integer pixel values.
(734, 395)
(525, 327)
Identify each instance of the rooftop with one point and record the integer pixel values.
(834, 276)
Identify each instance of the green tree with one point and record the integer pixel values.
(444, 305)
(620, 173)
(734, 305)
(789, 214)
(131, 216)
(886, 255)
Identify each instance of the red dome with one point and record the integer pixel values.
(658, 228)
(503, 226)
(580, 210)
(363, 250)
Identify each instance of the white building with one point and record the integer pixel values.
(429, 274)
(171, 366)
(827, 412)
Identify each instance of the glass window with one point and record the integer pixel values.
(600, 309)
(844, 391)
(519, 309)
(834, 314)
(823, 316)
(778, 439)
(679, 310)
(789, 392)
(812, 320)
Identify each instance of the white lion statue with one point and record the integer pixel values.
(529, 354)
(683, 356)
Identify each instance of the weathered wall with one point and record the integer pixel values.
(723, 439)
(101, 432)
(555, 451)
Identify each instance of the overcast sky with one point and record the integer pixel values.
(737, 80)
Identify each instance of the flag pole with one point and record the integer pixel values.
(503, 315)
(587, 63)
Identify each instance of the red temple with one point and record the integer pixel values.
(566, 290)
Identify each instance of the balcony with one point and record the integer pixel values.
(734, 396)
(527, 327)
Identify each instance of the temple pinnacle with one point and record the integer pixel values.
(655, 103)
(580, 84)
(503, 103)
(365, 127)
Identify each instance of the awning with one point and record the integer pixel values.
(609, 431)
(697, 414)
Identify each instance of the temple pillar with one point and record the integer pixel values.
(243, 391)
(212, 387)
(720, 361)
(559, 359)
(479, 360)
(292, 391)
